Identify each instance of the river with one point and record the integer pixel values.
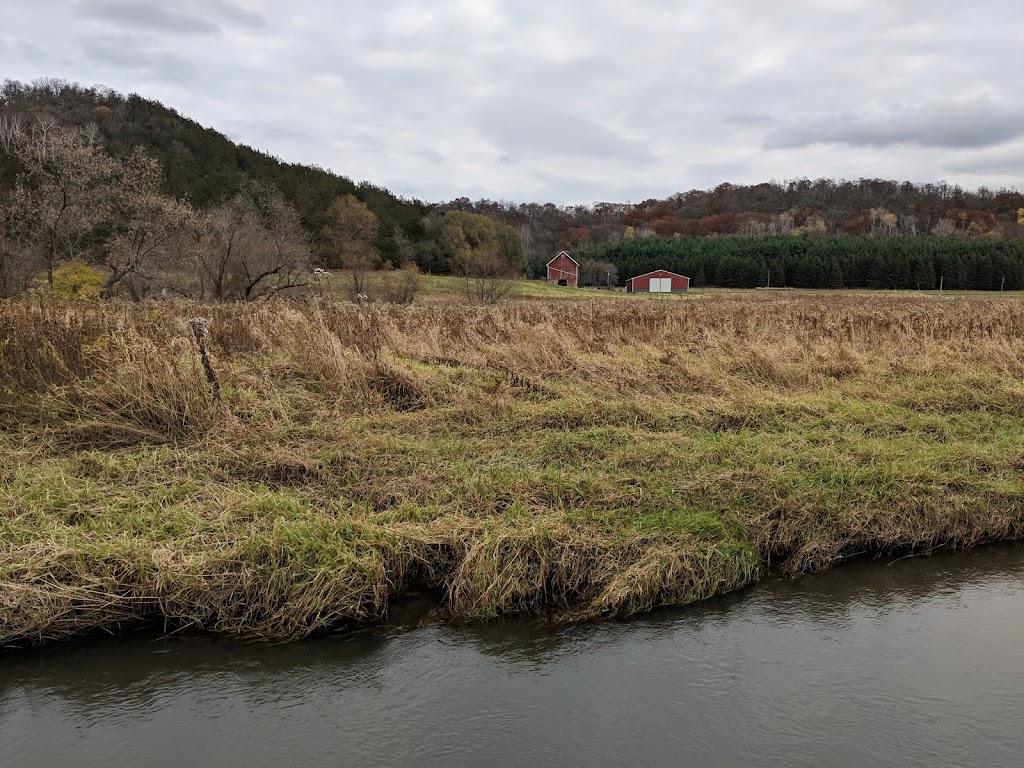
(915, 662)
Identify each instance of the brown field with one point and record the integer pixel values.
(565, 459)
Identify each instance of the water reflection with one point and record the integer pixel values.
(915, 662)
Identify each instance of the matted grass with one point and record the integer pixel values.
(559, 458)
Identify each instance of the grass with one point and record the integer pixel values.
(448, 286)
(561, 458)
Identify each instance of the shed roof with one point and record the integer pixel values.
(645, 274)
(566, 254)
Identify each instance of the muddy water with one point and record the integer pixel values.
(918, 662)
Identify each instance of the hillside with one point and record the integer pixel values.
(823, 208)
(200, 164)
(868, 233)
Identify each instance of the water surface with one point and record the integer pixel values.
(918, 662)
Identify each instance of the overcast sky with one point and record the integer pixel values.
(568, 102)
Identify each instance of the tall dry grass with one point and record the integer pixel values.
(568, 458)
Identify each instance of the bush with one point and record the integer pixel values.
(76, 280)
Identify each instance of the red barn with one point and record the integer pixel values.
(658, 281)
(564, 270)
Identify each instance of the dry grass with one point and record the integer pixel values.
(571, 459)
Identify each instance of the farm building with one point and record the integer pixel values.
(658, 281)
(564, 270)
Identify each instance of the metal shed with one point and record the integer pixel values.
(658, 281)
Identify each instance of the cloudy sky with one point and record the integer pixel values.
(569, 102)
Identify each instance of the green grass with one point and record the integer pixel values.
(568, 462)
(447, 285)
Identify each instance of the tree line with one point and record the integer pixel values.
(88, 211)
(875, 208)
(200, 164)
(151, 199)
(844, 261)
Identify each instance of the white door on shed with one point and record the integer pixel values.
(661, 285)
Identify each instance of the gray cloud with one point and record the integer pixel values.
(750, 119)
(544, 135)
(158, 17)
(574, 101)
(183, 17)
(975, 123)
(270, 130)
(1009, 162)
(140, 55)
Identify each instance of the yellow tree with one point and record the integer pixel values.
(889, 222)
(350, 231)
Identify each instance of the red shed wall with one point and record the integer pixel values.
(643, 282)
(563, 268)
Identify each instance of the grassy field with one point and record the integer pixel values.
(560, 458)
(450, 286)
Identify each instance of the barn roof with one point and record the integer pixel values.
(645, 274)
(566, 254)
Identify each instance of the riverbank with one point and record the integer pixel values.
(571, 459)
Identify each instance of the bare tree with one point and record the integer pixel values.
(409, 282)
(487, 271)
(17, 263)
(62, 195)
(146, 226)
(12, 132)
(754, 228)
(41, 130)
(89, 133)
(283, 260)
(598, 273)
(252, 246)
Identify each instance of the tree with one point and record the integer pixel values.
(462, 230)
(488, 273)
(409, 283)
(17, 264)
(251, 246)
(13, 132)
(62, 194)
(488, 253)
(145, 228)
(835, 274)
(350, 233)
(598, 273)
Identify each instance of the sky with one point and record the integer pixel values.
(569, 102)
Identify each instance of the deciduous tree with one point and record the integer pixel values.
(62, 195)
(251, 246)
(350, 232)
(146, 227)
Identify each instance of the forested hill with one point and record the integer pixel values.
(200, 164)
(821, 233)
(877, 209)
